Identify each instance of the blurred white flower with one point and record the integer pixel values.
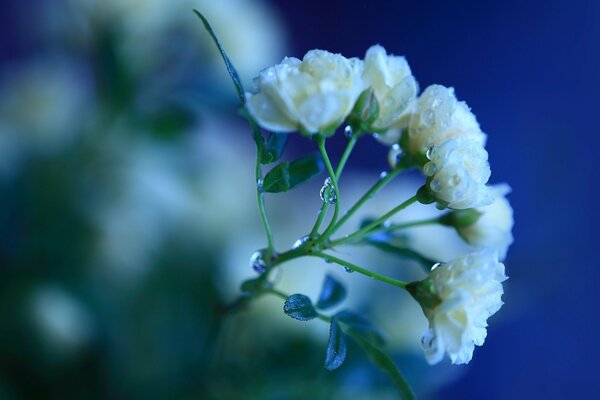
(470, 289)
(38, 102)
(62, 320)
(158, 34)
(181, 190)
(395, 89)
(438, 116)
(459, 170)
(494, 226)
(312, 95)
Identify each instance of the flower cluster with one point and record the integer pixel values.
(436, 133)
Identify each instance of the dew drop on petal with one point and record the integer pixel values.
(435, 185)
(428, 152)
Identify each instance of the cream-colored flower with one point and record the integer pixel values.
(438, 116)
(313, 95)
(459, 171)
(395, 89)
(494, 226)
(470, 290)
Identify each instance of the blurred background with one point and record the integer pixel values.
(128, 215)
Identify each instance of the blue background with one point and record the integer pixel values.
(530, 71)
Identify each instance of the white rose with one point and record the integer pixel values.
(395, 89)
(313, 95)
(459, 170)
(438, 116)
(494, 226)
(470, 290)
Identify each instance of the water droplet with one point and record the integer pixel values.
(298, 243)
(328, 260)
(348, 131)
(259, 184)
(429, 117)
(430, 169)
(429, 152)
(383, 174)
(327, 193)
(435, 266)
(435, 185)
(376, 135)
(394, 155)
(387, 223)
(348, 270)
(258, 262)
(440, 206)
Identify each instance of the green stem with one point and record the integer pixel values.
(370, 193)
(346, 155)
(332, 176)
(411, 224)
(338, 173)
(261, 204)
(358, 269)
(367, 229)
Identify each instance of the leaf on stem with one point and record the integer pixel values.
(336, 348)
(332, 293)
(285, 176)
(274, 148)
(360, 326)
(256, 133)
(388, 247)
(385, 362)
(299, 306)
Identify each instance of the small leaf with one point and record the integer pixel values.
(385, 362)
(274, 147)
(336, 348)
(332, 293)
(285, 176)
(299, 306)
(230, 68)
(388, 247)
(256, 134)
(359, 325)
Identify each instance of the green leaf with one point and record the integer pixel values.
(230, 68)
(336, 348)
(274, 147)
(359, 325)
(388, 247)
(332, 293)
(256, 133)
(285, 176)
(299, 306)
(385, 362)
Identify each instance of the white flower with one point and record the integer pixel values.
(459, 170)
(470, 290)
(395, 89)
(494, 226)
(438, 116)
(312, 95)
